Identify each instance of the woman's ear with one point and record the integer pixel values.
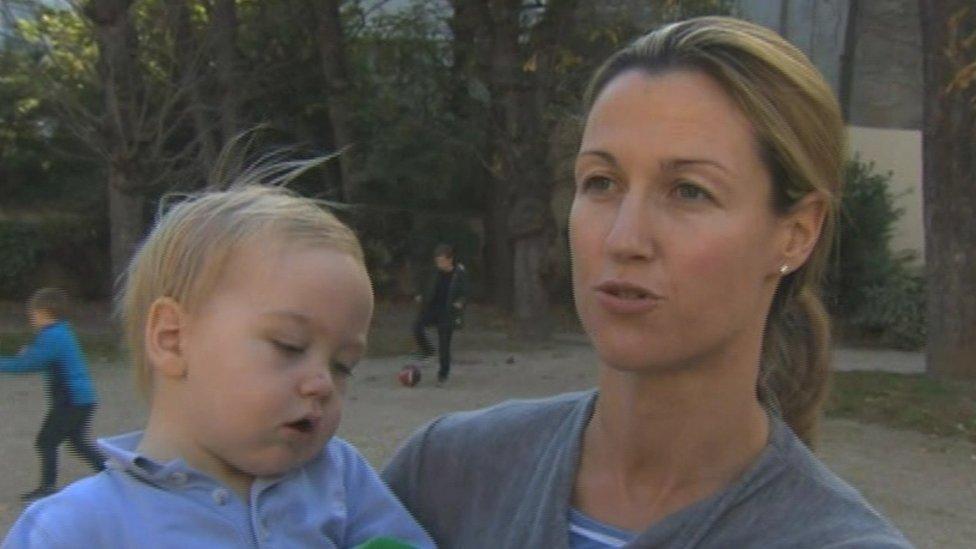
(164, 338)
(801, 230)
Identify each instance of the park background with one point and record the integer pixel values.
(458, 121)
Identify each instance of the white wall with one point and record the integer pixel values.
(900, 152)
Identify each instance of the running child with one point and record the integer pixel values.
(71, 394)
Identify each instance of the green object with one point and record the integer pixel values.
(384, 543)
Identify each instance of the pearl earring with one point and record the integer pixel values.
(783, 269)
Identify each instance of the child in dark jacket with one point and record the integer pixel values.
(71, 393)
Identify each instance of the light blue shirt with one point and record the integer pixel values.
(335, 500)
(586, 532)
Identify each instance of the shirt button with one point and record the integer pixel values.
(219, 496)
(178, 478)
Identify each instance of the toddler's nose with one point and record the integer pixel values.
(319, 384)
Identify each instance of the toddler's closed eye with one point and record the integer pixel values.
(287, 348)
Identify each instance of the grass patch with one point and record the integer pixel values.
(97, 347)
(916, 402)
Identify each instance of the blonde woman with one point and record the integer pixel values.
(707, 183)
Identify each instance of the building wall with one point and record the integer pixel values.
(884, 105)
(817, 27)
(886, 83)
(900, 152)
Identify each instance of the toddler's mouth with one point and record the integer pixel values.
(304, 425)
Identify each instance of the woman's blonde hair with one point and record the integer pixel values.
(184, 255)
(800, 134)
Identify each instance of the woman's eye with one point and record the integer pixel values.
(287, 348)
(690, 191)
(341, 368)
(597, 184)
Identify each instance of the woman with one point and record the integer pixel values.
(707, 184)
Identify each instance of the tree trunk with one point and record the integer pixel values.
(121, 84)
(949, 190)
(188, 76)
(338, 86)
(471, 46)
(126, 222)
(498, 248)
(846, 73)
(530, 259)
(476, 65)
(521, 86)
(503, 80)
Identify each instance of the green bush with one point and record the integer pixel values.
(75, 246)
(895, 309)
(875, 293)
(21, 245)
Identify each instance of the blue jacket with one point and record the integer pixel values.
(55, 351)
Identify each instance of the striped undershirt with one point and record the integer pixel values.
(588, 533)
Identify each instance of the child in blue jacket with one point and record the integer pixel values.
(55, 351)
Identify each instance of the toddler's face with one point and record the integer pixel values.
(268, 355)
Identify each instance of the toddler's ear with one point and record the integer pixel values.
(164, 333)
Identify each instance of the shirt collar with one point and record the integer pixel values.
(122, 454)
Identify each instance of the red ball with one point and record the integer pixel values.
(409, 375)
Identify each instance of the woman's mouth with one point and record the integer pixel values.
(621, 297)
(625, 290)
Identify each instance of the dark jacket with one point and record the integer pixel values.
(457, 293)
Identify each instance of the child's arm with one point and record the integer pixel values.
(374, 512)
(28, 536)
(35, 358)
(33, 529)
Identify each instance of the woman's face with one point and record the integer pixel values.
(675, 247)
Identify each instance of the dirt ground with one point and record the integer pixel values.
(925, 485)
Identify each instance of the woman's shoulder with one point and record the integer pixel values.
(514, 414)
(510, 422)
(802, 503)
(506, 430)
(465, 475)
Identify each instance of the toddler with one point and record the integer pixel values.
(246, 312)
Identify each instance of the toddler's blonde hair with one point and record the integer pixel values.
(184, 255)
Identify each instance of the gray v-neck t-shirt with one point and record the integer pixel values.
(502, 477)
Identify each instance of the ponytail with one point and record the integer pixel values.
(795, 367)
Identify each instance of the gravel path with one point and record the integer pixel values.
(927, 486)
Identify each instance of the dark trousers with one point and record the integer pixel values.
(445, 329)
(71, 423)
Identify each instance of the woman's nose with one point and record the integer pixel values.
(629, 237)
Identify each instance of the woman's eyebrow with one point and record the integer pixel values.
(674, 164)
(604, 155)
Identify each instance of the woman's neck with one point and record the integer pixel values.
(659, 442)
